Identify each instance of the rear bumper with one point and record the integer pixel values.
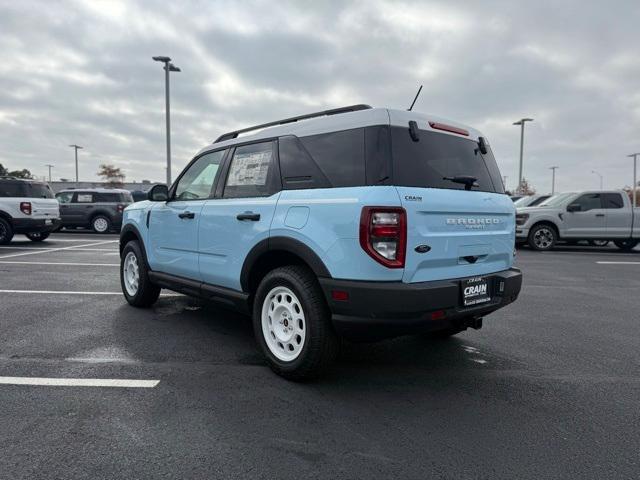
(386, 309)
(33, 225)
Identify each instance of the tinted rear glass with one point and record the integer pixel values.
(12, 189)
(425, 163)
(39, 190)
(612, 200)
(340, 156)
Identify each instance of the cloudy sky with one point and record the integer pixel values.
(81, 72)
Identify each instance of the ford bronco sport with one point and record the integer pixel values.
(357, 222)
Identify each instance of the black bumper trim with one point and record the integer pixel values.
(33, 225)
(387, 309)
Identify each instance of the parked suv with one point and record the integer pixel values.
(99, 208)
(28, 207)
(597, 216)
(357, 222)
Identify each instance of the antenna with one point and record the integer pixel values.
(416, 98)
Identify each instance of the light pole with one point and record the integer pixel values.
(553, 179)
(50, 167)
(521, 122)
(593, 171)
(168, 67)
(76, 147)
(635, 178)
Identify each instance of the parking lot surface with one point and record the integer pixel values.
(549, 388)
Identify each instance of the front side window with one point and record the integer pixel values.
(250, 171)
(197, 182)
(84, 197)
(64, 197)
(588, 201)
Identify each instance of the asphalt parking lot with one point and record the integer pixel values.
(549, 388)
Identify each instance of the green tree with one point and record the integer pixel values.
(3, 171)
(112, 175)
(24, 173)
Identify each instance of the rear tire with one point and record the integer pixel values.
(134, 277)
(37, 236)
(101, 224)
(292, 324)
(6, 232)
(542, 237)
(626, 245)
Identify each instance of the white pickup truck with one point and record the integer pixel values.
(573, 216)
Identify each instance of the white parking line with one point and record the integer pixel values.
(58, 249)
(618, 263)
(79, 382)
(49, 248)
(63, 263)
(66, 292)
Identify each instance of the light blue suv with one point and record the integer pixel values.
(357, 222)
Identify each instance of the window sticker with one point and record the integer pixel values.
(85, 198)
(249, 169)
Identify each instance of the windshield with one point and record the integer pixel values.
(556, 200)
(522, 202)
(427, 162)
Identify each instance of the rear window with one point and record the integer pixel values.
(425, 163)
(39, 190)
(12, 189)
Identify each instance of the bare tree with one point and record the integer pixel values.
(525, 188)
(112, 175)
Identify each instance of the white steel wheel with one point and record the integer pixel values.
(131, 274)
(100, 224)
(283, 324)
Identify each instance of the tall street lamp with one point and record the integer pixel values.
(76, 147)
(50, 167)
(168, 67)
(521, 122)
(553, 179)
(635, 178)
(599, 175)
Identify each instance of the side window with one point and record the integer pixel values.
(250, 171)
(588, 201)
(64, 197)
(340, 156)
(297, 168)
(84, 197)
(11, 189)
(197, 182)
(612, 200)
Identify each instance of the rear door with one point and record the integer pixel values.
(80, 208)
(173, 225)
(589, 221)
(240, 215)
(451, 232)
(618, 218)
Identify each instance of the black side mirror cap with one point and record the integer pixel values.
(574, 207)
(158, 193)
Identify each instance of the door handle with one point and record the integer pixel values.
(599, 214)
(254, 217)
(186, 215)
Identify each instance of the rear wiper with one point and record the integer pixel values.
(467, 180)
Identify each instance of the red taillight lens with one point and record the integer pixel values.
(448, 128)
(25, 207)
(120, 208)
(383, 234)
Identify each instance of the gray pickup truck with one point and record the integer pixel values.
(573, 216)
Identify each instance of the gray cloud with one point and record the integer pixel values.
(81, 72)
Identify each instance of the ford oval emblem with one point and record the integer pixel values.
(422, 248)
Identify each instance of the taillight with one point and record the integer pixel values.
(383, 234)
(120, 208)
(25, 207)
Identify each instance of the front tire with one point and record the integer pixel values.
(101, 224)
(37, 236)
(134, 277)
(292, 325)
(6, 232)
(542, 237)
(626, 245)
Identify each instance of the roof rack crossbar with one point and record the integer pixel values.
(334, 111)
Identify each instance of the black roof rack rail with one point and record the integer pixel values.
(334, 111)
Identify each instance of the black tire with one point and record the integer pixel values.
(37, 236)
(626, 245)
(542, 237)
(321, 344)
(101, 224)
(6, 232)
(147, 293)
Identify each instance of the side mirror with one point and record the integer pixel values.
(158, 193)
(574, 207)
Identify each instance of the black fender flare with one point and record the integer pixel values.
(286, 244)
(104, 213)
(126, 231)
